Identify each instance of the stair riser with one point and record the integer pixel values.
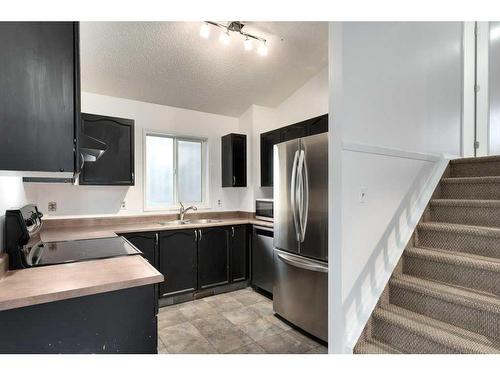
(470, 191)
(480, 216)
(475, 169)
(405, 340)
(460, 242)
(475, 320)
(483, 280)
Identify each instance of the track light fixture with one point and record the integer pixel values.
(235, 27)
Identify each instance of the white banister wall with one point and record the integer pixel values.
(396, 119)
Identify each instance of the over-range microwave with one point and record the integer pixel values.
(264, 209)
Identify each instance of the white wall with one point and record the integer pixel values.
(96, 200)
(396, 99)
(11, 195)
(308, 101)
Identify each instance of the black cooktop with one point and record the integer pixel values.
(49, 253)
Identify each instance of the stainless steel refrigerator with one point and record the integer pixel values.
(300, 287)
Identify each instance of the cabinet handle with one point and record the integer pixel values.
(232, 229)
(195, 235)
(199, 230)
(156, 239)
(234, 180)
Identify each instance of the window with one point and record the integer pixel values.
(174, 171)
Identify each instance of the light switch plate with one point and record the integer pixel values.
(52, 207)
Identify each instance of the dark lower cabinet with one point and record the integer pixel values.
(239, 253)
(147, 243)
(195, 259)
(178, 261)
(213, 257)
(119, 322)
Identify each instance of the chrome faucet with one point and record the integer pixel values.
(182, 210)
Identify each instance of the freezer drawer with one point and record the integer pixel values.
(262, 258)
(300, 292)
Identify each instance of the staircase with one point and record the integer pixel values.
(444, 295)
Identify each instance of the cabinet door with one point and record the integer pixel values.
(213, 257)
(239, 160)
(116, 165)
(234, 160)
(267, 141)
(147, 243)
(39, 95)
(318, 125)
(294, 131)
(239, 253)
(178, 261)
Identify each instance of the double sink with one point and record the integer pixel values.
(187, 221)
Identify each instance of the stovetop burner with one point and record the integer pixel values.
(49, 253)
(25, 248)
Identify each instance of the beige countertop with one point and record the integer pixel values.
(52, 234)
(31, 286)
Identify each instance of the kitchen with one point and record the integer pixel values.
(178, 170)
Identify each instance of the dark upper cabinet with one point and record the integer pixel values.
(213, 257)
(294, 131)
(267, 141)
(234, 160)
(147, 243)
(301, 129)
(116, 165)
(239, 253)
(318, 125)
(178, 261)
(39, 95)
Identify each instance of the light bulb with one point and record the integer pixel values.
(262, 49)
(248, 44)
(224, 37)
(205, 30)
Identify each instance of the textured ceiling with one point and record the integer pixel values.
(169, 63)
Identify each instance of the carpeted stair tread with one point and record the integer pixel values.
(468, 309)
(452, 338)
(460, 229)
(479, 187)
(476, 159)
(494, 203)
(373, 346)
(463, 296)
(468, 167)
(472, 180)
(460, 269)
(450, 257)
(478, 212)
(484, 241)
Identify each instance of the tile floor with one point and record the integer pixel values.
(238, 322)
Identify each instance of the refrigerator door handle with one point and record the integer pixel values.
(304, 197)
(293, 195)
(301, 263)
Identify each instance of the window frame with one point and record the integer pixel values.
(204, 170)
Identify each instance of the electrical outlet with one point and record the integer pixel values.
(219, 203)
(362, 195)
(52, 207)
(124, 205)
